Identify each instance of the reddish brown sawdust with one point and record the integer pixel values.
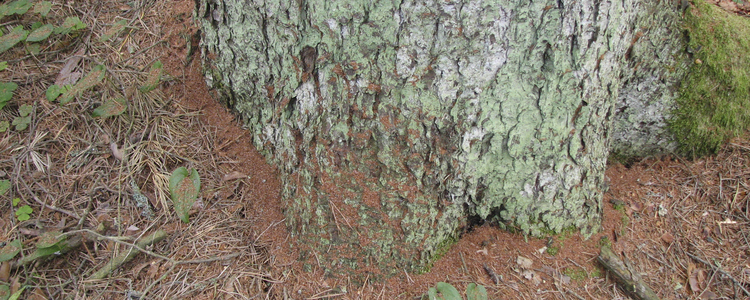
(464, 262)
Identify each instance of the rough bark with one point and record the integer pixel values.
(396, 123)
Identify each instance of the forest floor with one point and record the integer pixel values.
(682, 225)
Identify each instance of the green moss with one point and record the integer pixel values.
(576, 274)
(715, 95)
(553, 250)
(440, 251)
(605, 242)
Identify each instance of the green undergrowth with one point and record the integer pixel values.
(715, 95)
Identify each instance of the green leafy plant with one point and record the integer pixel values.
(114, 30)
(23, 213)
(4, 292)
(4, 125)
(40, 34)
(10, 250)
(154, 76)
(184, 186)
(54, 91)
(22, 122)
(43, 8)
(3, 65)
(15, 8)
(13, 37)
(90, 80)
(70, 24)
(4, 186)
(445, 291)
(110, 107)
(6, 92)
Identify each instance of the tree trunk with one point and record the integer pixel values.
(396, 124)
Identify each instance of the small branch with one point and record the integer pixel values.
(126, 256)
(628, 280)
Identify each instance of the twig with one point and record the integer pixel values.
(717, 269)
(44, 205)
(627, 279)
(126, 256)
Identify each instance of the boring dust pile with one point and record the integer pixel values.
(103, 181)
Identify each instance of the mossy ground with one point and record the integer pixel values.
(715, 95)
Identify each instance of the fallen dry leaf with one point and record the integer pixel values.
(524, 262)
(234, 175)
(5, 271)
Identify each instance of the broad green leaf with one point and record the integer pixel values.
(10, 250)
(43, 8)
(4, 11)
(3, 65)
(40, 34)
(476, 292)
(21, 123)
(110, 107)
(69, 25)
(432, 293)
(152, 81)
(12, 38)
(90, 80)
(447, 292)
(17, 294)
(4, 292)
(33, 48)
(114, 30)
(4, 187)
(49, 239)
(16, 201)
(25, 110)
(23, 213)
(54, 91)
(184, 186)
(19, 7)
(24, 210)
(6, 92)
(4, 125)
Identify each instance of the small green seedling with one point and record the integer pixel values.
(70, 24)
(3, 65)
(22, 122)
(4, 186)
(43, 8)
(6, 92)
(87, 82)
(54, 91)
(15, 8)
(154, 76)
(13, 37)
(40, 34)
(23, 213)
(445, 291)
(184, 186)
(114, 30)
(10, 250)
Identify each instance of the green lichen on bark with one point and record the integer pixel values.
(715, 96)
(416, 115)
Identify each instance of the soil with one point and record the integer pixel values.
(682, 225)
